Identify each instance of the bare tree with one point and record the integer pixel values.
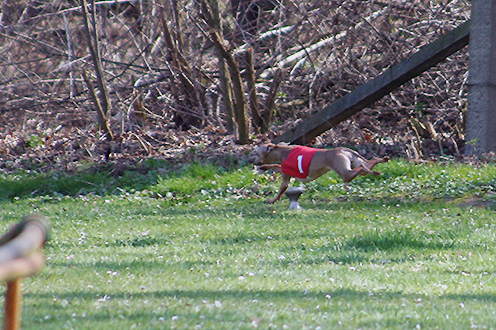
(102, 103)
(183, 75)
(239, 102)
(224, 77)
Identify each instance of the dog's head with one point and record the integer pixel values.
(259, 154)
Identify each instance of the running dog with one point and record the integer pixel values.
(307, 164)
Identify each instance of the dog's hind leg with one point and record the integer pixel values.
(374, 161)
(348, 167)
(347, 173)
(348, 176)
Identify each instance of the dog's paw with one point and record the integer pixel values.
(385, 159)
(257, 170)
(375, 173)
(271, 201)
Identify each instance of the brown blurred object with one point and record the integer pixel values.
(20, 256)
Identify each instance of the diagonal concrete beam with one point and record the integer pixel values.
(395, 76)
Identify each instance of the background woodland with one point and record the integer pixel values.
(192, 80)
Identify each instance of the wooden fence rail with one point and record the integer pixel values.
(20, 256)
(366, 94)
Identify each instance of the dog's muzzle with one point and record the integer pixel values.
(254, 158)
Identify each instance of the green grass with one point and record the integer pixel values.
(199, 249)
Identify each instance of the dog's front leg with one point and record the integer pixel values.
(282, 189)
(266, 167)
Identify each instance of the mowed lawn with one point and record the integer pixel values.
(199, 249)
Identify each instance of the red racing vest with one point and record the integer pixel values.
(298, 162)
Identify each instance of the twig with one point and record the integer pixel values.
(102, 118)
(252, 91)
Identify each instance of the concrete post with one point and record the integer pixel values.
(481, 115)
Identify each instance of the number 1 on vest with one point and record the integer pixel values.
(300, 163)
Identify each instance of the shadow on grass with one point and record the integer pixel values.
(260, 295)
(210, 295)
(97, 180)
(108, 178)
(222, 308)
(190, 304)
(394, 240)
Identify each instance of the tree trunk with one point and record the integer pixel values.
(225, 79)
(252, 91)
(102, 104)
(239, 95)
(267, 114)
(184, 76)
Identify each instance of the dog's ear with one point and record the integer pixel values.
(269, 147)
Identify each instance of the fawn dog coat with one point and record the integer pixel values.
(307, 164)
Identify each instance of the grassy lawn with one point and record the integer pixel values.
(199, 249)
